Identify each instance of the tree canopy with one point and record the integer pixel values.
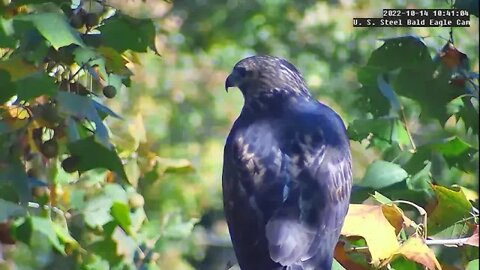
(113, 118)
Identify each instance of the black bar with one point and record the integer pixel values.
(411, 22)
(425, 13)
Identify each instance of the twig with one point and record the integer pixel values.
(422, 212)
(447, 242)
(357, 249)
(46, 207)
(409, 134)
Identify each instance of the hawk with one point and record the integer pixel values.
(287, 170)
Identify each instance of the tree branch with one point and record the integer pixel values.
(447, 242)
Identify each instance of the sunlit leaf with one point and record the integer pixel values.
(88, 58)
(452, 206)
(473, 265)
(415, 250)
(453, 146)
(167, 165)
(97, 211)
(64, 236)
(125, 33)
(46, 227)
(114, 60)
(337, 266)
(175, 227)
(55, 28)
(121, 213)
(360, 220)
(125, 244)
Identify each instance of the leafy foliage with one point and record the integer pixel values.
(110, 153)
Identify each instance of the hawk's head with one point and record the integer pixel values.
(261, 73)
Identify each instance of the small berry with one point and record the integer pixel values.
(109, 91)
(70, 164)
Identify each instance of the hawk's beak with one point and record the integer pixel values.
(229, 82)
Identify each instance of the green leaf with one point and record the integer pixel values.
(93, 58)
(55, 28)
(420, 180)
(429, 82)
(457, 153)
(370, 98)
(116, 193)
(17, 67)
(97, 211)
(336, 265)
(22, 229)
(8, 88)
(125, 244)
(381, 198)
(82, 107)
(92, 154)
(388, 93)
(457, 230)
(468, 112)
(452, 146)
(123, 33)
(385, 129)
(473, 265)
(46, 227)
(381, 174)
(176, 228)
(401, 52)
(401, 263)
(6, 32)
(13, 173)
(107, 249)
(452, 206)
(121, 213)
(10, 209)
(35, 85)
(104, 110)
(64, 236)
(114, 60)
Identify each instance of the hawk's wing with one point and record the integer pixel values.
(292, 179)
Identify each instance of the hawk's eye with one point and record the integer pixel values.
(241, 71)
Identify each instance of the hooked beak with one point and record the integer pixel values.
(229, 82)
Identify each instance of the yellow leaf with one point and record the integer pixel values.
(416, 250)
(114, 60)
(473, 240)
(470, 194)
(18, 113)
(396, 217)
(137, 129)
(369, 222)
(17, 68)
